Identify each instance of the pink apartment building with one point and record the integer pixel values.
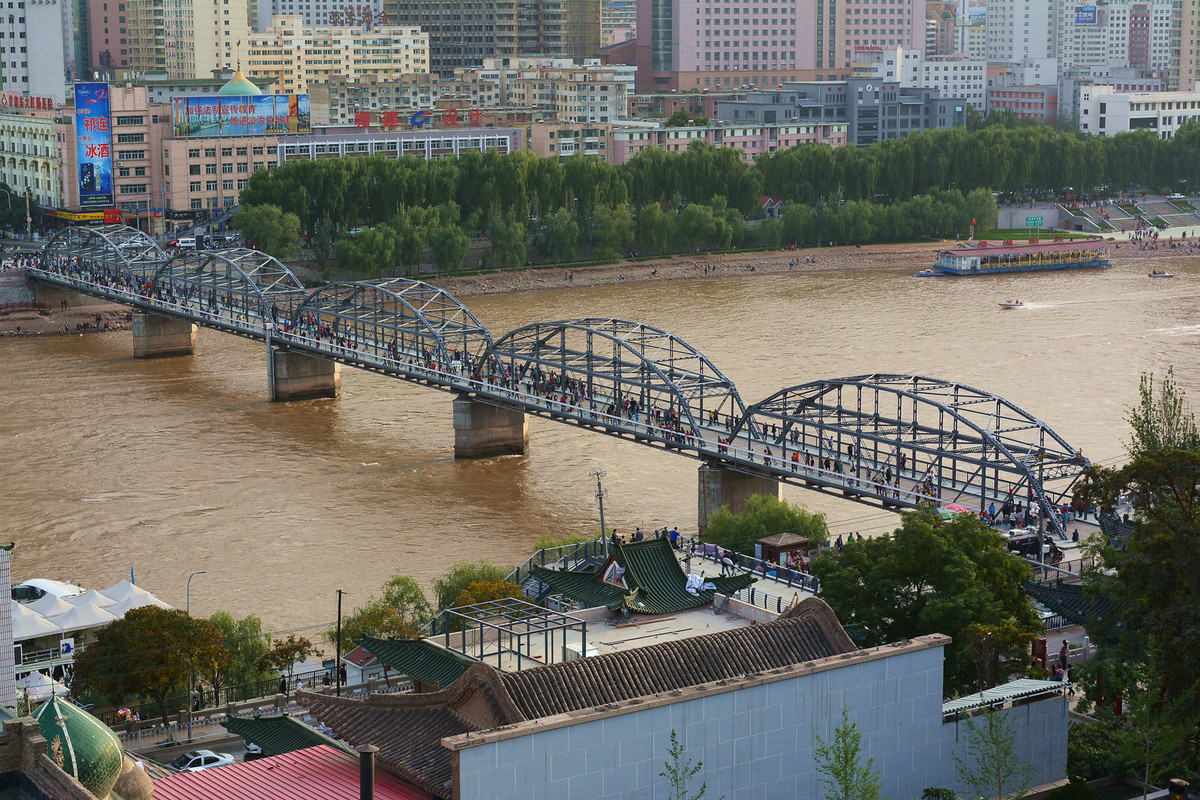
(108, 34)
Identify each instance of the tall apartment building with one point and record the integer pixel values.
(319, 13)
(618, 21)
(951, 76)
(185, 38)
(1121, 33)
(941, 24)
(588, 92)
(296, 56)
(1020, 29)
(462, 33)
(108, 35)
(1183, 70)
(37, 48)
(867, 24)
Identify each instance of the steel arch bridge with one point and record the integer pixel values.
(118, 246)
(919, 439)
(618, 370)
(396, 318)
(896, 440)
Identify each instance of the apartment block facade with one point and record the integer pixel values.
(185, 38)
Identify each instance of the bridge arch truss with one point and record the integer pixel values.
(119, 249)
(241, 282)
(396, 319)
(950, 443)
(625, 367)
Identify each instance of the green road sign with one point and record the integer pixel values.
(1034, 222)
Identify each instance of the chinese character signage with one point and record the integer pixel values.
(93, 145)
(213, 115)
(1085, 15)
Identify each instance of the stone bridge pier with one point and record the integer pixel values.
(482, 430)
(298, 376)
(158, 337)
(720, 486)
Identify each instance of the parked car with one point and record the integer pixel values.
(1175, 196)
(196, 760)
(1026, 545)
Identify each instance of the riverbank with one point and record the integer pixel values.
(76, 321)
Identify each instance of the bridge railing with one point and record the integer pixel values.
(763, 570)
(569, 555)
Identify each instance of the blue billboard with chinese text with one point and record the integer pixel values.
(242, 115)
(1085, 15)
(93, 145)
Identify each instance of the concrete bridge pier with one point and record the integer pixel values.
(157, 337)
(720, 486)
(54, 296)
(483, 431)
(301, 377)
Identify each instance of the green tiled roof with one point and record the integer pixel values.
(1068, 601)
(6, 713)
(653, 576)
(279, 735)
(418, 659)
(82, 745)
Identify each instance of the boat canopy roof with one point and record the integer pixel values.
(1027, 249)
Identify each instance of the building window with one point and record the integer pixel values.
(130, 138)
(194, 153)
(210, 152)
(129, 120)
(210, 169)
(133, 188)
(210, 186)
(122, 172)
(243, 167)
(227, 169)
(194, 186)
(197, 203)
(193, 169)
(226, 151)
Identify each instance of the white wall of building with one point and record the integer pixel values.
(1105, 111)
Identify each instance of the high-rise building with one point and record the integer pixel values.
(37, 49)
(871, 25)
(185, 38)
(1183, 70)
(108, 35)
(284, 52)
(462, 33)
(1020, 29)
(319, 13)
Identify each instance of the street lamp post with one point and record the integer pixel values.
(189, 588)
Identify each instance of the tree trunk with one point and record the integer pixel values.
(162, 707)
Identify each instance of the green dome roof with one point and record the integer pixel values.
(82, 745)
(239, 85)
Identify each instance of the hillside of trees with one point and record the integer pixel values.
(923, 185)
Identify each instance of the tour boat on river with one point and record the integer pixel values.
(989, 259)
(1012, 304)
(1158, 273)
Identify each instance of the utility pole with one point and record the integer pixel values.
(600, 493)
(28, 217)
(337, 666)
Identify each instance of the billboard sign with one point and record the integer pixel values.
(242, 115)
(1085, 15)
(93, 145)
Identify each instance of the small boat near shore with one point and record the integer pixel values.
(928, 273)
(1012, 304)
(983, 259)
(1158, 273)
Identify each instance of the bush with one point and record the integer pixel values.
(462, 574)
(547, 541)
(1075, 789)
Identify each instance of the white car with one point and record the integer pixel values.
(197, 760)
(1175, 196)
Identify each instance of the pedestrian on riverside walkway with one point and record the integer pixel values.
(283, 686)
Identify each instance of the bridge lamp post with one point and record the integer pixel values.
(189, 588)
(191, 677)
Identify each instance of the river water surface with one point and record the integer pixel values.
(178, 465)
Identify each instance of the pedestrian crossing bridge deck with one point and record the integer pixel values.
(891, 440)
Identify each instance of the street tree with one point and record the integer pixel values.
(284, 654)
(269, 229)
(839, 764)
(764, 515)
(460, 576)
(1161, 420)
(449, 247)
(954, 577)
(989, 763)
(680, 772)
(246, 642)
(149, 653)
(557, 236)
(399, 612)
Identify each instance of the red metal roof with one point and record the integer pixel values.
(359, 657)
(315, 773)
(999, 248)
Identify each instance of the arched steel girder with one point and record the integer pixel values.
(237, 279)
(623, 360)
(418, 317)
(941, 426)
(120, 247)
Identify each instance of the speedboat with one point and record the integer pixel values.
(1012, 304)
(928, 273)
(1158, 273)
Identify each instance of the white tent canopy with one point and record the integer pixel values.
(91, 598)
(81, 617)
(49, 605)
(30, 624)
(40, 686)
(128, 604)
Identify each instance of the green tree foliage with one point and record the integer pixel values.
(934, 576)
(461, 575)
(614, 231)
(449, 247)
(149, 653)
(988, 762)
(682, 119)
(557, 236)
(370, 254)
(680, 772)
(838, 763)
(507, 234)
(763, 515)
(246, 642)
(654, 229)
(483, 591)
(270, 229)
(284, 653)
(1161, 420)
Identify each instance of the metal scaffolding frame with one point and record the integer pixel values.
(618, 360)
(974, 445)
(509, 624)
(120, 246)
(399, 315)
